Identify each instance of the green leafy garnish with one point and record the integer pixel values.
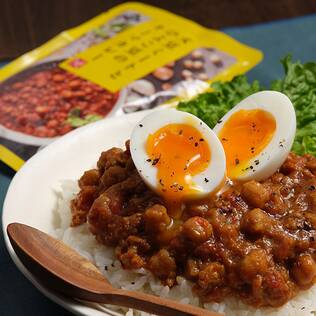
(299, 84)
(75, 120)
(211, 106)
(305, 140)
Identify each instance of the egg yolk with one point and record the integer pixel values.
(244, 135)
(179, 152)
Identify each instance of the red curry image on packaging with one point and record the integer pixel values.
(52, 102)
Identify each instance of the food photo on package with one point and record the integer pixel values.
(133, 57)
(166, 178)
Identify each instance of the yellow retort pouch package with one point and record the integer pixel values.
(130, 58)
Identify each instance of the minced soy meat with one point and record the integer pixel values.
(255, 241)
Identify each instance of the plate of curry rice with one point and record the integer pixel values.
(249, 250)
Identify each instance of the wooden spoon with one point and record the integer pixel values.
(59, 267)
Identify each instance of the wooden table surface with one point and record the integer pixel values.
(25, 24)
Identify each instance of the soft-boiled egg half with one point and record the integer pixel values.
(178, 155)
(257, 135)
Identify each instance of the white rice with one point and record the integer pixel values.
(84, 242)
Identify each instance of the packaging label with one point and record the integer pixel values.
(133, 57)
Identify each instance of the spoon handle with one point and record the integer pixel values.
(151, 304)
(63, 269)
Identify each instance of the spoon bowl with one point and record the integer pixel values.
(60, 267)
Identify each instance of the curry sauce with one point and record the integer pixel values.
(255, 241)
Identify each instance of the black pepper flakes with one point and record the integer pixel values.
(180, 187)
(307, 226)
(206, 180)
(219, 121)
(180, 132)
(251, 167)
(281, 142)
(201, 139)
(106, 268)
(196, 144)
(191, 138)
(237, 161)
(311, 188)
(161, 183)
(224, 139)
(257, 162)
(155, 161)
(140, 125)
(148, 160)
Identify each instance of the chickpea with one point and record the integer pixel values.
(156, 218)
(163, 73)
(197, 54)
(304, 270)
(197, 229)
(197, 65)
(256, 222)
(255, 193)
(203, 76)
(186, 74)
(188, 63)
(254, 263)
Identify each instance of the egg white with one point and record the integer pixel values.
(215, 171)
(277, 150)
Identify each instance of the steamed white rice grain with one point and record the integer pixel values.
(84, 242)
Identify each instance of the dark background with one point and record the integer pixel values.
(25, 24)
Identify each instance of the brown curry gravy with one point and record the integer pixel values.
(256, 241)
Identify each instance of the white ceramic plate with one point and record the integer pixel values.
(31, 199)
